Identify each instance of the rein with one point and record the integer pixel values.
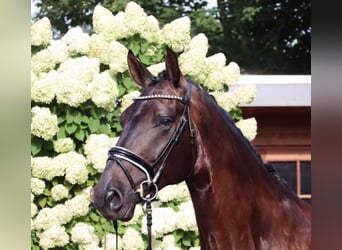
(148, 189)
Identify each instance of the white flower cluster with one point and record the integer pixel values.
(211, 71)
(96, 150)
(248, 128)
(177, 192)
(132, 240)
(77, 79)
(127, 99)
(37, 186)
(41, 33)
(231, 99)
(71, 165)
(55, 236)
(84, 235)
(49, 222)
(43, 123)
(63, 145)
(59, 192)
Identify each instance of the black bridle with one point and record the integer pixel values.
(148, 188)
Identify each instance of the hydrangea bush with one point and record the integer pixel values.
(79, 86)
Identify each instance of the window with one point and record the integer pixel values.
(295, 169)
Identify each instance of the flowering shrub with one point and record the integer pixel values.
(80, 85)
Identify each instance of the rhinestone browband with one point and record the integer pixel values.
(148, 97)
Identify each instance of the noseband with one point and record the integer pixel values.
(148, 188)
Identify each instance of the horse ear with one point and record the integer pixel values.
(139, 72)
(173, 70)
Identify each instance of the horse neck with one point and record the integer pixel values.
(228, 180)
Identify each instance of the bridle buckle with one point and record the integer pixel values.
(147, 190)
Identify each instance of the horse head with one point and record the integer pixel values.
(155, 148)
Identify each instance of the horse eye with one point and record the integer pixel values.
(165, 121)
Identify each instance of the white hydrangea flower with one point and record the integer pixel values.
(96, 150)
(41, 33)
(244, 94)
(43, 89)
(177, 34)
(164, 221)
(45, 219)
(57, 166)
(109, 241)
(177, 192)
(34, 78)
(43, 61)
(34, 210)
(55, 236)
(198, 45)
(59, 51)
(215, 62)
(229, 100)
(132, 240)
(117, 56)
(248, 128)
(156, 68)
(193, 61)
(231, 74)
(78, 205)
(37, 186)
(185, 217)
(62, 213)
(214, 80)
(127, 99)
(43, 123)
(98, 48)
(135, 17)
(138, 212)
(76, 170)
(109, 26)
(63, 145)
(59, 192)
(75, 77)
(225, 100)
(169, 243)
(195, 248)
(40, 166)
(151, 31)
(83, 234)
(104, 91)
(77, 40)
(71, 91)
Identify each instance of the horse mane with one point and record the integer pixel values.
(269, 167)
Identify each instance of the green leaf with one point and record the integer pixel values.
(79, 134)
(68, 116)
(135, 47)
(94, 217)
(145, 59)
(61, 133)
(93, 124)
(70, 128)
(78, 117)
(36, 146)
(42, 202)
(104, 128)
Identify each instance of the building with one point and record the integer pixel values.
(282, 108)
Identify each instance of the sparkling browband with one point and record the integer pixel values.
(148, 97)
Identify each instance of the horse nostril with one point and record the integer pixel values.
(114, 198)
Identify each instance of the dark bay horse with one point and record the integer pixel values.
(175, 131)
